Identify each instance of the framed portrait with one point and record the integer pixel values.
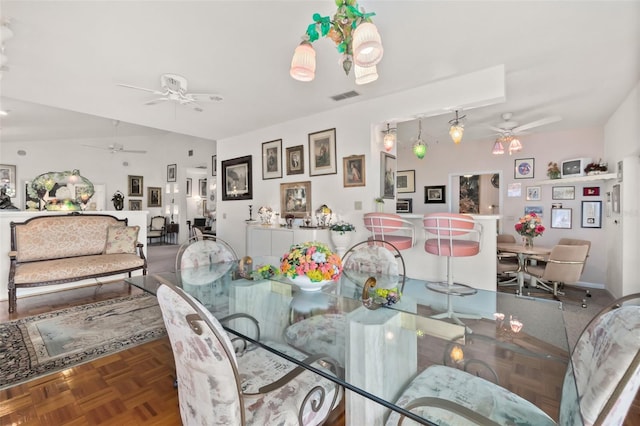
(237, 183)
(172, 173)
(514, 190)
(322, 153)
(387, 175)
(592, 214)
(154, 196)
(135, 205)
(353, 171)
(406, 181)
(295, 199)
(561, 218)
(563, 193)
(214, 165)
(615, 198)
(434, 194)
(8, 179)
(189, 190)
(524, 168)
(272, 159)
(404, 205)
(135, 186)
(295, 160)
(202, 187)
(533, 193)
(590, 191)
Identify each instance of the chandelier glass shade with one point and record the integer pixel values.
(514, 145)
(389, 138)
(355, 36)
(498, 148)
(419, 147)
(457, 129)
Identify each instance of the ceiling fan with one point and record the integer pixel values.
(508, 127)
(173, 88)
(115, 148)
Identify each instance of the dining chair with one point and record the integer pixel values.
(601, 381)
(156, 228)
(452, 235)
(199, 251)
(508, 264)
(222, 383)
(391, 228)
(563, 266)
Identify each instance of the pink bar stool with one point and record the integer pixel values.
(391, 228)
(452, 235)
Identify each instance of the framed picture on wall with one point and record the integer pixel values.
(592, 214)
(154, 196)
(533, 193)
(563, 193)
(272, 159)
(322, 153)
(406, 181)
(202, 185)
(561, 218)
(189, 187)
(135, 186)
(295, 199)
(387, 175)
(353, 171)
(135, 205)
(214, 165)
(8, 179)
(434, 194)
(295, 160)
(237, 183)
(172, 173)
(524, 168)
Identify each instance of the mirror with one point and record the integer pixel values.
(475, 192)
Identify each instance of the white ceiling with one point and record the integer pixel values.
(576, 59)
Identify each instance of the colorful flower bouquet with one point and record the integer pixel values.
(312, 259)
(530, 226)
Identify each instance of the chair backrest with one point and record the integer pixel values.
(195, 253)
(565, 264)
(197, 233)
(200, 221)
(209, 390)
(604, 375)
(391, 227)
(157, 223)
(506, 238)
(576, 242)
(445, 232)
(374, 258)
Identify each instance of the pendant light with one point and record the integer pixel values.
(457, 129)
(419, 147)
(389, 138)
(498, 148)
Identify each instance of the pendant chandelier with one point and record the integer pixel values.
(419, 147)
(355, 36)
(389, 138)
(457, 129)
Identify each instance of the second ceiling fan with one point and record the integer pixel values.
(508, 130)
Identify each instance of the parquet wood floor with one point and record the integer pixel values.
(134, 387)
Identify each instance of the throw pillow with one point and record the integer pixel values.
(121, 239)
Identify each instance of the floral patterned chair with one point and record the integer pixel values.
(599, 386)
(217, 386)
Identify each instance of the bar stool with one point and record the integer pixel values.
(391, 228)
(452, 235)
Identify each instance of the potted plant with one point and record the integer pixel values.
(596, 168)
(553, 171)
(341, 233)
(379, 204)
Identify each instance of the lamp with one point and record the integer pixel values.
(355, 36)
(389, 138)
(498, 148)
(419, 147)
(457, 129)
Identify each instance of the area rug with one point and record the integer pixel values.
(34, 346)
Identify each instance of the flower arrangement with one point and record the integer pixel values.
(387, 296)
(596, 168)
(265, 272)
(379, 200)
(530, 226)
(553, 171)
(312, 259)
(342, 227)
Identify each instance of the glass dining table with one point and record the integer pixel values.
(518, 342)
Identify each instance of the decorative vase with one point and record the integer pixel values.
(380, 207)
(304, 283)
(528, 241)
(341, 241)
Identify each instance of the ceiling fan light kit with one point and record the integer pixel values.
(355, 36)
(508, 130)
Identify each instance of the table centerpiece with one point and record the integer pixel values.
(311, 265)
(529, 226)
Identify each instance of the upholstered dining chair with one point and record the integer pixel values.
(156, 228)
(600, 382)
(564, 265)
(507, 265)
(217, 386)
(391, 228)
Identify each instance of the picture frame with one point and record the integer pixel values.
(619, 171)
(406, 181)
(135, 186)
(295, 199)
(563, 192)
(353, 171)
(202, 188)
(214, 165)
(189, 187)
(272, 159)
(592, 214)
(322, 153)
(524, 168)
(591, 191)
(538, 210)
(387, 175)
(434, 194)
(154, 196)
(8, 179)
(404, 205)
(561, 218)
(615, 198)
(533, 193)
(237, 182)
(135, 205)
(514, 190)
(295, 160)
(172, 173)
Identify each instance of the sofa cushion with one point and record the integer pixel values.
(75, 267)
(121, 239)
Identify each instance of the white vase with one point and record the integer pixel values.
(304, 283)
(379, 207)
(341, 241)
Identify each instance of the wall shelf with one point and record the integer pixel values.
(578, 179)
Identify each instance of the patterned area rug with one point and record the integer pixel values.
(50, 342)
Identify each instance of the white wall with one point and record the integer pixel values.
(622, 143)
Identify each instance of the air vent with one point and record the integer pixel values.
(345, 95)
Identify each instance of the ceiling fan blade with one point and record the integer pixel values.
(156, 101)
(133, 151)
(537, 123)
(496, 129)
(157, 92)
(205, 97)
(96, 147)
